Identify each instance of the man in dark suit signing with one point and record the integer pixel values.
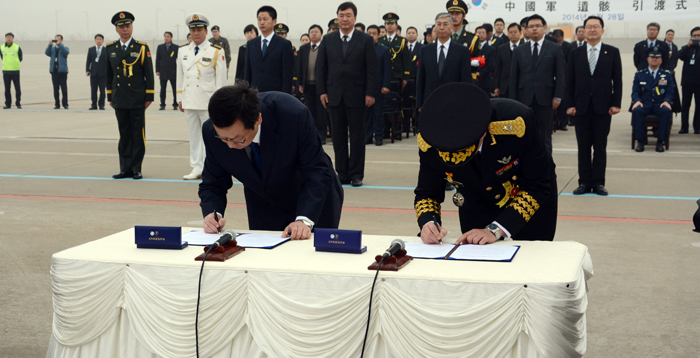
(166, 66)
(267, 141)
(443, 61)
(537, 76)
(269, 59)
(593, 95)
(346, 76)
(504, 56)
(96, 69)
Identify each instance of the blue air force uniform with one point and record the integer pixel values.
(652, 88)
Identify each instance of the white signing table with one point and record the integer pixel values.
(113, 300)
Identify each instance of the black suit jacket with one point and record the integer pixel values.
(166, 61)
(566, 48)
(303, 69)
(275, 70)
(501, 72)
(457, 68)
(488, 52)
(539, 82)
(96, 68)
(240, 62)
(604, 87)
(413, 67)
(640, 54)
(297, 176)
(350, 78)
(672, 58)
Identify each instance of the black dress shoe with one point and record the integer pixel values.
(356, 182)
(65, 107)
(6, 107)
(122, 175)
(640, 147)
(563, 128)
(697, 131)
(19, 106)
(582, 189)
(57, 107)
(449, 187)
(93, 108)
(600, 190)
(175, 108)
(660, 147)
(162, 108)
(379, 143)
(138, 175)
(683, 131)
(344, 181)
(368, 141)
(102, 108)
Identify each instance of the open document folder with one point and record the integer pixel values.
(255, 241)
(504, 253)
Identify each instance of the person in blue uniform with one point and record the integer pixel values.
(269, 142)
(652, 93)
(494, 155)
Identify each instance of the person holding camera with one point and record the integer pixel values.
(690, 81)
(58, 67)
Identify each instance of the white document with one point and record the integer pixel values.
(200, 238)
(261, 241)
(420, 250)
(484, 252)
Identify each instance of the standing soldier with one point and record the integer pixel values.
(129, 91)
(11, 56)
(221, 42)
(200, 72)
(282, 30)
(458, 10)
(333, 25)
(400, 59)
(166, 58)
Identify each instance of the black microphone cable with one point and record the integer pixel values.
(199, 288)
(369, 314)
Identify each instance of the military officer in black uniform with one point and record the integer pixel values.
(458, 10)
(129, 91)
(493, 154)
(282, 30)
(400, 61)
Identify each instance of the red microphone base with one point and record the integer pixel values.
(222, 253)
(393, 263)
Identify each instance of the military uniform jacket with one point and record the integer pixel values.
(509, 182)
(470, 40)
(400, 57)
(129, 75)
(653, 92)
(198, 77)
(223, 43)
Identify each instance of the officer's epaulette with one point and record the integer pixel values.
(141, 43)
(217, 46)
(187, 44)
(113, 43)
(294, 48)
(641, 70)
(514, 127)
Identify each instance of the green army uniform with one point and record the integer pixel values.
(223, 43)
(398, 49)
(464, 37)
(284, 29)
(130, 84)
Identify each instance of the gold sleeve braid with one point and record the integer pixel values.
(427, 206)
(525, 204)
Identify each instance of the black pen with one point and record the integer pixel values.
(438, 227)
(216, 217)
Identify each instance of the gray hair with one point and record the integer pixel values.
(444, 14)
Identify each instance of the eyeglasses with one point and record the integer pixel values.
(538, 26)
(593, 27)
(227, 140)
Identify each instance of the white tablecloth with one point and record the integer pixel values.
(114, 300)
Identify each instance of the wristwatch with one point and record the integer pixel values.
(495, 230)
(307, 223)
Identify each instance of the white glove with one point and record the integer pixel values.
(475, 63)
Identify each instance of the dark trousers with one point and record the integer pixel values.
(344, 118)
(374, 120)
(592, 131)
(688, 92)
(543, 115)
(395, 87)
(132, 138)
(59, 80)
(313, 103)
(8, 78)
(164, 87)
(97, 82)
(664, 115)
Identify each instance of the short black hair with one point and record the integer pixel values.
(487, 27)
(670, 30)
(96, 36)
(239, 102)
(316, 26)
(302, 36)
(61, 36)
(249, 28)
(602, 24)
(373, 27)
(559, 32)
(361, 25)
(268, 9)
(480, 27)
(189, 35)
(412, 27)
(10, 34)
(580, 27)
(382, 27)
(696, 28)
(398, 27)
(655, 24)
(537, 17)
(347, 5)
(516, 25)
(499, 20)
(168, 33)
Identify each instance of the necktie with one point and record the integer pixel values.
(410, 48)
(255, 156)
(345, 45)
(313, 47)
(653, 74)
(196, 50)
(651, 44)
(580, 44)
(592, 59)
(535, 55)
(512, 47)
(123, 47)
(441, 59)
(264, 48)
(455, 36)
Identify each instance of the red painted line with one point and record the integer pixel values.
(364, 210)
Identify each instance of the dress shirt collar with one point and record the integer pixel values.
(390, 38)
(598, 46)
(349, 35)
(483, 43)
(268, 38)
(653, 72)
(257, 135)
(447, 47)
(317, 44)
(539, 45)
(203, 45)
(513, 44)
(122, 44)
(649, 42)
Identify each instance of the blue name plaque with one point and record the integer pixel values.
(334, 240)
(159, 237)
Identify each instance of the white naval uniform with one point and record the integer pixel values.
(198, 77)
